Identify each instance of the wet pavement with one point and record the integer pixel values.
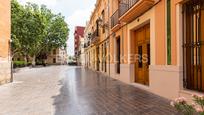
(63, 90)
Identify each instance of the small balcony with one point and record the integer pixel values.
(130, 9)
(95, 36)
(79, 52)
(86, 45)
(114, 21)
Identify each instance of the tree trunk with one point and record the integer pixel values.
(33, 60)
(25, 59)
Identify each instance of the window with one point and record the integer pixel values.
(54, 60)
(103, 18)
(97, 28)
(54, 52)
(140, 56)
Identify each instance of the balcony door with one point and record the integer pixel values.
(142, 36)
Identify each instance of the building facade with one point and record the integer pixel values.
(5, 32)
(78, 43)
(157, 45)
(81, 58)
(57, 56)
(97, 38)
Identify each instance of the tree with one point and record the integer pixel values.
(27, 29)
(36, 30)
(17, 12)
(56, 31)
(35, 26)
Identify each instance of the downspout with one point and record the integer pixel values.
(11, 59)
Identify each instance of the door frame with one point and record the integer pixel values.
(145, 42)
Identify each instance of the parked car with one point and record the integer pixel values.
(72, 63)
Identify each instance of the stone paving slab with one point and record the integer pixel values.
(63, 90)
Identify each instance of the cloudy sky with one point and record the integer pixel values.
(76, 12)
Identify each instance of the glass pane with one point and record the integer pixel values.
(140, 56)
(148, 53)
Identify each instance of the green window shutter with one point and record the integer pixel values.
(169, 32)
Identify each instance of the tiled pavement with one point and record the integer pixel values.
(63, 90)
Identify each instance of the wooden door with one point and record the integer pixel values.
(105, 57)
(97, 58)
(118, 55)
(142, 55)
(193, 46)
(202, 46)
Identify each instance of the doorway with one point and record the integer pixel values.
(105, 56)
(97, 58)
(118, 55)
(54, 60)
(193, 45)
(142, 37)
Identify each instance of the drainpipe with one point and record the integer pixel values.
(11, 57)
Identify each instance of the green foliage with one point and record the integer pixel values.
(185, 108)
(17, 12)
(35, 29)
(197, 108)
(199, 100)
(18, 64)
(40, 63)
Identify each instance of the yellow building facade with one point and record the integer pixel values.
(5, 32)
(156, 45)
(97, 38)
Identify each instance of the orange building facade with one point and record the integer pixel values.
(5, 63)
(97, 38)
(157, 45)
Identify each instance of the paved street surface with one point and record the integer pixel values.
(63, 90)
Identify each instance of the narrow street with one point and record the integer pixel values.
(63, 90)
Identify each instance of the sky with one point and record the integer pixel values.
(76, 13)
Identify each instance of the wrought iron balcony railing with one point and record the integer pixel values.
(125, 5)
(129, 10)
(114, 18)
(95, 36)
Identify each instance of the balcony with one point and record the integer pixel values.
(95, 36)
(114, 21)
(130, 9)
(86, 45)
(79, 53)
